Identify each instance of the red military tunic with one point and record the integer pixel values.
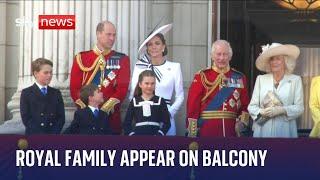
(216, 99)
(109, 70)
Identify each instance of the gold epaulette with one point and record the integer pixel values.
(82, 67)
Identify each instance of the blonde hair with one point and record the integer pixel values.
(290, 65)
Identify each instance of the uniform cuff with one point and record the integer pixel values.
(109, 105)
(192, 127)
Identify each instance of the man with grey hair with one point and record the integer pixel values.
(108, 69)
(218, 97)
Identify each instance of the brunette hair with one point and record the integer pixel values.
(165, 52)
(146, 73)
(86, 91)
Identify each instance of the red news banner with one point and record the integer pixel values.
(58, 22)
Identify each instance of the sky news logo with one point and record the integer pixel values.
(49, 22)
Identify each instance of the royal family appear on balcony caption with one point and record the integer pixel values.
(218, 103)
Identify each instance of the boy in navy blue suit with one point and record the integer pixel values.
(41, 106)
(90, 120)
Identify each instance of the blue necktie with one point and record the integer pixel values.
(44, 90)
(96, 113)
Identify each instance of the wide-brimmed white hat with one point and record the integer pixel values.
(163, 29)
(291, 51)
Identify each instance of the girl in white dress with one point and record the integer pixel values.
(153, 53)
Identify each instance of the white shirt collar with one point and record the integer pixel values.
(92, 108)
(40, 86)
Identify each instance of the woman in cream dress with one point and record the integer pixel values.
(277, 99)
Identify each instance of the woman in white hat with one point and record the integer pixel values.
(277, 99)
(153, 53)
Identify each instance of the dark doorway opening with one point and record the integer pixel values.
(249, 24)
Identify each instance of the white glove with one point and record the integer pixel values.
(264, 112)
(271, 112)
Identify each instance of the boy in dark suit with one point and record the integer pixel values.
(41, 106)
(90, 120)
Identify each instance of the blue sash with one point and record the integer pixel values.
(220, 97)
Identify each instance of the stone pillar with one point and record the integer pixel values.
(2, 58)
(60, 46)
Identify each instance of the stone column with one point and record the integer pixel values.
(60, 46)
(2, 58)
(190, 39)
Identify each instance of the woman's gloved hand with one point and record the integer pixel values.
(271, 112)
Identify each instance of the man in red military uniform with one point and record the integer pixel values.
(218, 96)
(108, 69)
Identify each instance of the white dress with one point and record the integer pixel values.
(170, 83)
(290, 93)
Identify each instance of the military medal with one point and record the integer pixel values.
(118, 65)
(105, 83)
(232, 81)
(111, 64)
(236, 94)
(111, 75)
(108, 66)
(240, 83)
(224, 81)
